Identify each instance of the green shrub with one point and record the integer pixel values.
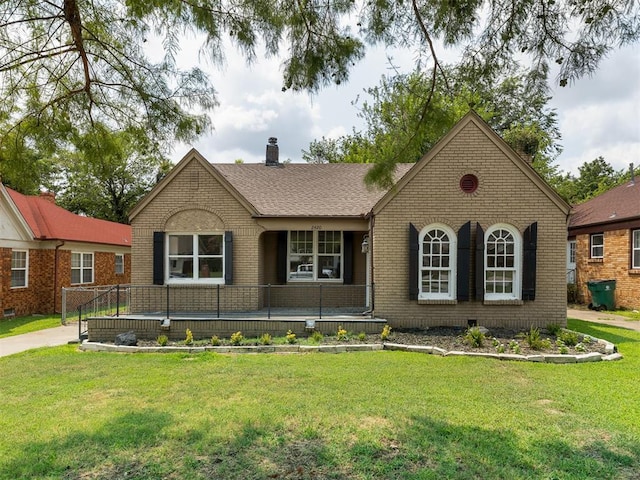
(474, 337)
(514, 346)
(580, 347)
(265, 339)
(553, 329)
(500, 348)
(163, 340)
(362, 336)
(236, 338)
(568, 337)
(215, 341)
(316, 336)
(535, 341)
(291, 337)
(386, 332)
(188, 339)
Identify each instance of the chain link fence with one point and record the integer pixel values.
(98, 300)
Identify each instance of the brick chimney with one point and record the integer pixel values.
(273, 153)
(49, 196)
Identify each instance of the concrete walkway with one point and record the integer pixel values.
(50, 337)
(604, 318)
(69, 333)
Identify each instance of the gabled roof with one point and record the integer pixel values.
(297, 189)
(619, 204)
(48, 221)
(288, 190)
(474, 118)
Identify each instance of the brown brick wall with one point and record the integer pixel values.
(616, 265)
(505, 195)
(38, 296)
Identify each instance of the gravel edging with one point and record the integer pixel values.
(610, 349)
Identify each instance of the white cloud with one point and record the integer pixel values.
(598, 115)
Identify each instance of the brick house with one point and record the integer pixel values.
(470, 234)
(604, 243)
(44, 248)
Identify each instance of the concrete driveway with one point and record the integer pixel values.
(50, 337)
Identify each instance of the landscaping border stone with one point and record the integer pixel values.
(610, 349)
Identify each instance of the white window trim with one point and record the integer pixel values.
(25, 269)
(591, 245)
(83, 267)
(196, 273)
(635, 247)
(516, 293)
(315, 256)
(453, 274)
(119, 255)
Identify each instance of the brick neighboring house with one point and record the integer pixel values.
(604, 243)
(44, 248)
(468, 234)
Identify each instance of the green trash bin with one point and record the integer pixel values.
(602, 294)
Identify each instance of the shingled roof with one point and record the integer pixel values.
(318, 190)
(48, 221)
(619, 204)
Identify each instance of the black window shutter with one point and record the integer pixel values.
(464, 262)
(530, 245)
(479, 262)
(158, 258)
(228, 258)
(281, 259)
(347, 239)
(414, 248)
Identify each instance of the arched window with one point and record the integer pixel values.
(503, 270)
(437, 267)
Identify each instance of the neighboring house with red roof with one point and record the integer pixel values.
(470, 234)
(604, 243)
(44, 247)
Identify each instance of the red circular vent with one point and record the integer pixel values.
(469, 183)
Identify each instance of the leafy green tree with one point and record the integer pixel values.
(86, 58)
(594, 177)
(109, 173)
(68, 66)
(406, 117)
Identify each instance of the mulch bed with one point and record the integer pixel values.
(447, 338)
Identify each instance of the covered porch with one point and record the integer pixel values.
(221, 310)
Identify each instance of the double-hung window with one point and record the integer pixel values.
(635, 249)
(437, 263)
(597, 245)
(502, 263)
(119, 264)
(315, 255)
(198, 257)
(81, 268)
(19, 268)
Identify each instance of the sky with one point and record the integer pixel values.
(597, 115)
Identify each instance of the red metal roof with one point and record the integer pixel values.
(48, 221)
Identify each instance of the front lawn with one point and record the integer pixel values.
(374, 415)
(32, 323)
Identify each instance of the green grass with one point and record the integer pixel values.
(374, 415)
(31, 323)
(630, 314)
